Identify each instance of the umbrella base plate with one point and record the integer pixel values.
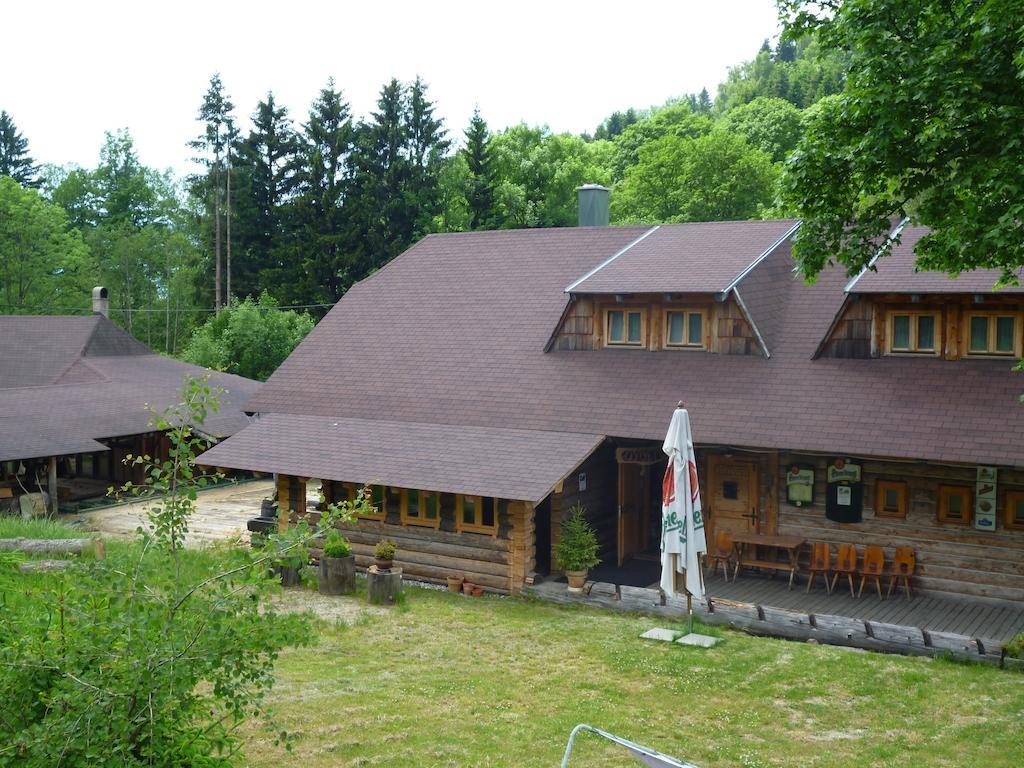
(700, 641)
(660, 633)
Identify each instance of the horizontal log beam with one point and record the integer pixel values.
(50, 546)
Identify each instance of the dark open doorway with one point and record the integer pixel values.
(542, 530)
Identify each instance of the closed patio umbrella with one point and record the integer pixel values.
(682, 524)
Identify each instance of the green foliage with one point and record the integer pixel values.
(538, 173)
(44, 267)
(927, 126)
(768, 123)
(802, 73)
(145, 658)
(336, 545)
(713, 177)
(577, 546)
(173, 483)
(14, 158)
(385, 550)
(481, 183)
(675, 119)
(1015, 648)
(249, 339)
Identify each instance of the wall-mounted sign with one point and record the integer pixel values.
(985, 499)
(844, 498)
(639, 454)
(583, 481)
(800, 485)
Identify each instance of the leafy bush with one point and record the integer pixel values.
(1015, 648)
(577, 547)
(336, 545)
(252, 338)
(385, 550)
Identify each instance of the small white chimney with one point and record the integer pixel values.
(100, 302)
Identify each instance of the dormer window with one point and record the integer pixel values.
(624, 327)
(992, 334)
(685, 328)
(913, 333)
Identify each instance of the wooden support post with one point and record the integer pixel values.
(52, 485)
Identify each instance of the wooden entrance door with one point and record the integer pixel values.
(633, 510)
(731, 496)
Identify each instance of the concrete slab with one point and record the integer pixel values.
(662, 634)
(699, 641)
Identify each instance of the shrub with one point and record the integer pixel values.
(336, 545)
(577, 548)
(1015, 648)
(385, 550)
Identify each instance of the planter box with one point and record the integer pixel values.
(337, 575)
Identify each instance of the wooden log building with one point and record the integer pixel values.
(485, 382)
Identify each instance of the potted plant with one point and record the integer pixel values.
(576, 551)
(455, 582)
(290, 553)
(384, 554)
(337, 566)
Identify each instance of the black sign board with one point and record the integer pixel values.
(844, 498)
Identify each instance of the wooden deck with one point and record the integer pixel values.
(962, 616)
(926, 624)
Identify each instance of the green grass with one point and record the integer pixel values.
(452, 681)
(37, 528)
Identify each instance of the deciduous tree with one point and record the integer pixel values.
(928, 125)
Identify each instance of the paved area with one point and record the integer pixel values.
(221, 514)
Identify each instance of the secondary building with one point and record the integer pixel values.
(74, 392)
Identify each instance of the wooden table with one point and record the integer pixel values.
(789, 544)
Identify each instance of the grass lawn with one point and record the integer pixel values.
(452, 681)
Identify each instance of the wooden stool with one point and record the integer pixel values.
(821, 562)
(903, 566)
(874, 563)
(846, 562)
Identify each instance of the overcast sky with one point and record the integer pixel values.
(75, 70)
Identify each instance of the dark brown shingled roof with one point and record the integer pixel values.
(704, 257)
(895, 274)
(452, 333)
(66, 382)
(480, 461)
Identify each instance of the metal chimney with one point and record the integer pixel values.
(100, 302)
(593, 205)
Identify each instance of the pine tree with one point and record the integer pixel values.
(266, 177)
(482, 181)
(215, 112)
(14, 158)
(427, 149)
(326, 144)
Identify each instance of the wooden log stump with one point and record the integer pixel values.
(44, 566)
(53, 546)
(337, 575)
(383, 587)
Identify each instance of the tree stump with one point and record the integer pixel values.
(337, 575)
(383, 587)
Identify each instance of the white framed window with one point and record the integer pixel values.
(913, 332)
(992, 333)
(685, 328)
(625, 327)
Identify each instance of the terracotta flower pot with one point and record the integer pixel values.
(576, 580)
(467, 588)
(383, 565)
(478, 591)
(455, 583)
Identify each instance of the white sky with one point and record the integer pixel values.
(75, 69)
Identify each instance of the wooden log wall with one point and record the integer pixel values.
(600, 498)
(498, 563)
(954, 559)
(727, 330)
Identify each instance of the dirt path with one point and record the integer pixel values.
(221, 514)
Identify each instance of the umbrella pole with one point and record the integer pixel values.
(689, 610)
